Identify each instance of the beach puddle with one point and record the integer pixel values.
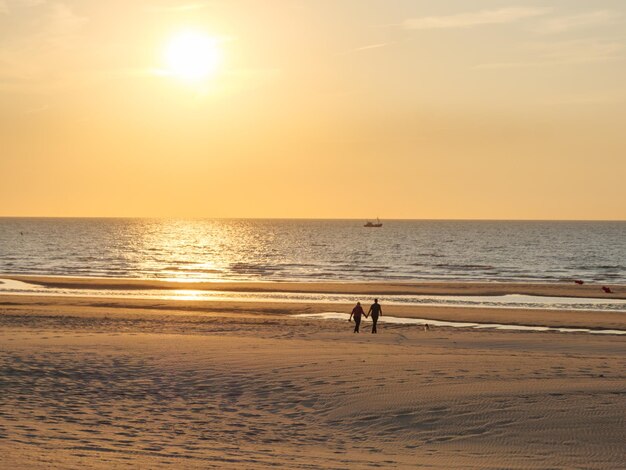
(449, 324)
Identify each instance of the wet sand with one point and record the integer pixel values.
(561, 289)
(127, 383)
(512, 316)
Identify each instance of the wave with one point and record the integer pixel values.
(465, 266)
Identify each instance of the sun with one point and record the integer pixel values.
(192, 55)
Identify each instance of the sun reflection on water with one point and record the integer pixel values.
(191, 251)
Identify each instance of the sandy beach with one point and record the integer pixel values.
(126, 383)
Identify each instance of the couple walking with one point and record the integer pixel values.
(375, 310)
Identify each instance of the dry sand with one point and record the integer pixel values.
(95, 383)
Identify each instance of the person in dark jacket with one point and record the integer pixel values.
(357, 311)
(376, 311)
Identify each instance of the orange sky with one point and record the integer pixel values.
(404, 109)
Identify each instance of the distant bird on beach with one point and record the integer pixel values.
(607, 289)
(579, 282)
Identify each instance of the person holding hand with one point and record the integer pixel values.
(376, 311)
(357, 312)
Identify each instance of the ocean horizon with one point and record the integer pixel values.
(315, 249)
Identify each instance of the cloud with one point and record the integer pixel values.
(583, 20)
(63, 22)
(575, 52)
(29, 56)
(174, 8)
(366, 48)
(372, 46)
(7, 5)
(36, 110)
(580, 51)
(32, 3)
(478, 18)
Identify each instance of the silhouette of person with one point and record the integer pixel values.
(357, 311)
(376, 311)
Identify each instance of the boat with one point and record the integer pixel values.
(372, 224)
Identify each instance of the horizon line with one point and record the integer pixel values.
(304, 218)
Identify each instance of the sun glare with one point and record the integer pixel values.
(192, 55)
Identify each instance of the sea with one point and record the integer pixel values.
(315, 250)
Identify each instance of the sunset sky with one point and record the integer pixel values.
(328, 108)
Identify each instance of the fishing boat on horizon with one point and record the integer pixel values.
(372, 224)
